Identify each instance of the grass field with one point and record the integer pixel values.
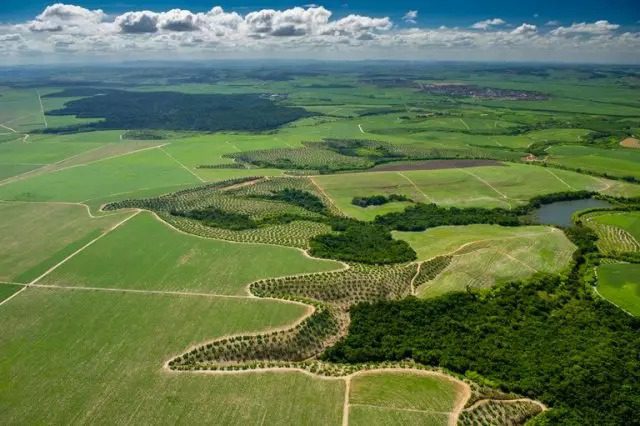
(484, 255)
(140, 170)
(401, 398)
(145, 253)
(494, 186)
(620, 283)
(107, 298)
(617, 231)
(35, 236)
(7, 290)
(614, 162)
(96, 357)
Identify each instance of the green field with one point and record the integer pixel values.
(130, 314)
(401, 398)
(613, 162)
(145, 253)
(84, 356)
(620, 284)
(60, 229)
(495, 186)
(617, 231)
(483, 255)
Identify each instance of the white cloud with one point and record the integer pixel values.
(582, 29)
(552, 23)
(138, 22)
(300, 32)
(488, 23)
(525, 29)
(410, 17)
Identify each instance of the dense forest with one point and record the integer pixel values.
(378, 200)
(177, 111)
(360, 242)
(548, 339)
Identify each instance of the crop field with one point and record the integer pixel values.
(617, 232)
(502, 186)
(483, 255)
(620, 284)
(146, 254)
(401, 398)
(62, 229)
(107, 349)
(614, 162)
(206, 244)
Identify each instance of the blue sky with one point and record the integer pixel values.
(461, 30)
(441, 12)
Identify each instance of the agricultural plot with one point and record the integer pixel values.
(145, 253)
(140, 170)
(164, 270)
(613, 162)
(381, 398)
(620, 284)
(499, 186)
(108, 349)
(61, 229)
(618, 232)
(479, 256)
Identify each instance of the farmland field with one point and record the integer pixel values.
(494, 186)
(620, 283)
(391, 397)
(316, 243)
(483, 255)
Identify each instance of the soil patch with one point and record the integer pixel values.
(630, 143)
(433, 165)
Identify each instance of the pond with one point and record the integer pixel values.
(560, 212)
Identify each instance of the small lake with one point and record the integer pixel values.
(560, 212)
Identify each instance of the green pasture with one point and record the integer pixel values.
(137, 171)
(77, 356)
(36, 236)
(484, 255)
(6, 290)
(629, 221)
(401, 398)
(147, 254)
(620, 283)
(615, 162)
(492, 186)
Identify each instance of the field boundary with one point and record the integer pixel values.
(54, 267)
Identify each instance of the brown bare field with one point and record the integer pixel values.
(630, 143)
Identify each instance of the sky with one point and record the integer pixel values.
(494, 30)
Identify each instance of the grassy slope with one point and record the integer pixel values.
(620, 283)
(34, 236)
(96, 357)
(133, 172)
(512, 185)
(629, 221)
(490, 254)
(386, 398)
(616, 162)
(146, 254)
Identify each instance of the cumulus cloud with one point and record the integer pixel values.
(298, 32)
(410, 17)
(525, 29)
(488, 23)
(583, 28)
(178, 20)
(59, 17)
(138, 22)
